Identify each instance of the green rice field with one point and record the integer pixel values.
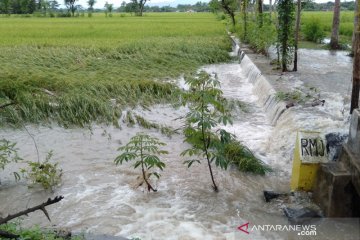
(68, 69)
(325, 19)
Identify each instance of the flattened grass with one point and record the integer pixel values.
(68, 70)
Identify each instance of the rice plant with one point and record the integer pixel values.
(73, 73)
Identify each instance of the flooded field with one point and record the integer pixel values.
(99, 197)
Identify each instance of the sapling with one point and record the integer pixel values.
(145, 150)
(8, 154)
(207, 109)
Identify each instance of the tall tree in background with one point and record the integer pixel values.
(244, 11)
(356, 65)
(334, 41)
(53, 5)
(229, 6)
(70, 4)
(44, 6)
(297, 34)
(356, 20)
(31, 6)
(138, 6)
(286, 18)
(91, 4)
(260, 12)
(5, 6)
(214, 6)
(108, 9)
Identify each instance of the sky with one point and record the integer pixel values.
(100, 3)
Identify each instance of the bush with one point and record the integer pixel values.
(46, 174)
(313, 31)
(259, 38)
(35, 233)
(61, 14)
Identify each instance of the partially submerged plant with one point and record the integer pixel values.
(244, 159)
(207, 110)
(8, 154)
(47, 174)
(145, 150)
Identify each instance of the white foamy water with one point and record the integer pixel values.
(99, 197)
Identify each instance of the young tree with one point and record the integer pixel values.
(91, 4)
(207, 109)
(334, 41)
(70, 4)
(144, 149)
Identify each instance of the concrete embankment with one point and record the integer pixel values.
(316, 98)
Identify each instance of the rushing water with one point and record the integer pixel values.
(99, 196)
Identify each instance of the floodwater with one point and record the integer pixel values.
(99, 197)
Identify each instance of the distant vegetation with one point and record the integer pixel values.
(324, 20)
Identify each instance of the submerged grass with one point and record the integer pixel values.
(242, 157)
(79, 70)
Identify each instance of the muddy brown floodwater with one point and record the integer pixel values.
(98, 194)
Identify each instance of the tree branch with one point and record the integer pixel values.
(33, 209)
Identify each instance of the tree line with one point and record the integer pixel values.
(53, 6)
(264, 29)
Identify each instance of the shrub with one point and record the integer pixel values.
(34, 233)
(313, 31)
(46, 174)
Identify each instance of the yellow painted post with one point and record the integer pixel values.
(309, 152)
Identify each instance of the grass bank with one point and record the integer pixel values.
(68, 69)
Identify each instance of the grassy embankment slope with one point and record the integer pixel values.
(67, 69)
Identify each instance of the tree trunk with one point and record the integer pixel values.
(297, 31)
(356, 66)
(334, 42)
(270, 8)
(260, 11)
(244, 10)
(356, 17)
